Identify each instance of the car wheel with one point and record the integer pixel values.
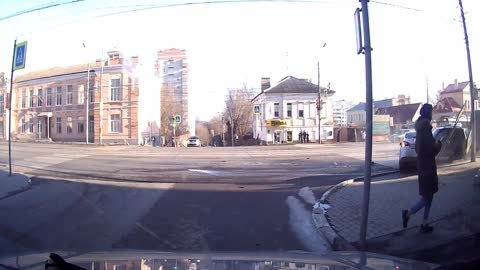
(402, 167)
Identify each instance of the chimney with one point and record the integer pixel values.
(134, 59)
(114, 58)
(456, 84)
(265, 83)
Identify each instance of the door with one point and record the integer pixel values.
(289, 136)
(277, 137)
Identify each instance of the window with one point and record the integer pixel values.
(59, 96)
(30, 126)
(81, 95)
(39, 126)
(289, 109)
(276, 112)
(80, 127)
(24, 97)
(91, 95)
(32, 96)
(91, 124)
(22, 126)
(2, 103)
(49, 96)
(115, 93)
(300, 110)
(58, 125)
(69, 125)
(69, 95)
(115, 123)
(40, 98)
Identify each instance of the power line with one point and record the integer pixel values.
(395, 5)
(47, 6)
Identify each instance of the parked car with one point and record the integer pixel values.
(408, 155)
(452, 149)
(194, 141)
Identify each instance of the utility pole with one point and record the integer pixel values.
(473, 95)
(367, 49)
(87, 100)
(100, 135)
(319, 105)
(10, 112)
(428, 94)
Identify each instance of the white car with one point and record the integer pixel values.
(194, 141)
(408, 154)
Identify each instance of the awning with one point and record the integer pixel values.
(47, 114)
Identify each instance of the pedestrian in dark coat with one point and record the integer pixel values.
(300, 137)
(427, 148)
(304, 136)
(308, 139)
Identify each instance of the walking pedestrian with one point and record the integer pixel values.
(427, 148)
(304, 135)
(300, 135)
(308, 138)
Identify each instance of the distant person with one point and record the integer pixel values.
(304, 136)
(427, 148)
(308, 138)
(300, 136)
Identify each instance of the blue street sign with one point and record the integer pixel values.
(20, 55)
(178, 119)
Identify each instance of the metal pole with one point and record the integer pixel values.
(369, 116)
(319, 106)
(87, 100)
(10, 113)
(231, 121)
(472, 90)
(100, 137)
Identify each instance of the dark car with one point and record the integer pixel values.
(454, 142)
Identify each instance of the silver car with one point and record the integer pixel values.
(408, 155)
(194, 141)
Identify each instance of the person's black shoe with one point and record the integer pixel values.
(405, 218)
(426, 228)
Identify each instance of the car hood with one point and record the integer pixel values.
(144, 260)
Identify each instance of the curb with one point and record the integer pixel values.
(319, 215)
(25, 188)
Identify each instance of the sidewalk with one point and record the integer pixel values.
(455, 212)
(10, 185)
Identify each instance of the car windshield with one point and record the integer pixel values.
(224, 125)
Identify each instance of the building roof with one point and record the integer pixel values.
(52, 72)
(376, 104)
(451, 88)
(402, 113)
(446, 105)
(290, 84)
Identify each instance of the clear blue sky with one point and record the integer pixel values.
(235, 43)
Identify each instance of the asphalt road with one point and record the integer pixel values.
(90, 198)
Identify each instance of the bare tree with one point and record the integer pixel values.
(168, 109)
(239, 112)
(203, 133)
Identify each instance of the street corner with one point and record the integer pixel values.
(322, 223)
(13, 184)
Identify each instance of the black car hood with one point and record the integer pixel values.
(145, 260)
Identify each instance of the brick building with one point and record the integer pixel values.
(52, 104)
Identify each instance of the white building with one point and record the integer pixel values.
(340, 108)
(288, 108)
